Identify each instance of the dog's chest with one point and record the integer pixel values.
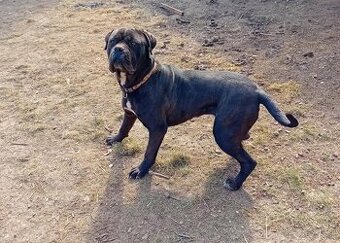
(128, 107)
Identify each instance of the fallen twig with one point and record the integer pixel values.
(100, 236)
(266, 227)
(245, 239)
(266, 34)
(109, 240)
(159, 175)
(19, 144)
(174, 220)
(172, 197)
(205, 203)
(182, 21)
(107, 128)
(184, 236)
(103, 169)
(109, 151)
(171, 9)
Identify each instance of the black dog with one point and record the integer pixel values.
(161, 96)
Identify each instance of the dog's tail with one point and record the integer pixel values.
(287, 120)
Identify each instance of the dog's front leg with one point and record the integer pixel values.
(128, 121)
(155, 140)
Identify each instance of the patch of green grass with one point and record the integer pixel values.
(173, 161)
(33, 128)
(178, 160)
(128, 147)
(261, 135)
(287, 90)
(308, 132)
(314, 222)
(95, 129)
(319, 198)
(292, 176)
(72, 134)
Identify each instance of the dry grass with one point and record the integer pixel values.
(288, 90)
(77, 96)
(128, 147)
(172, 162)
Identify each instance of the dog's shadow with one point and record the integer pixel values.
(143, 210)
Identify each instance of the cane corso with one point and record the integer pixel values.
(163, 95)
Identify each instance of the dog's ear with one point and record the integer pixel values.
(107, 39)
(151, 40)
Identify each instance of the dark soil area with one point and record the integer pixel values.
(270, 40)
(60, 183)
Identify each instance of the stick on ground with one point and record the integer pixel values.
(19, 144)
(108, 129)
(159, 175)
(171, 9)
(184, 236)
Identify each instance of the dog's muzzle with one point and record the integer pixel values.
(120, 60)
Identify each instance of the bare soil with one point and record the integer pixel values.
(58, 183)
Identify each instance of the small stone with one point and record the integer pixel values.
(309, 54)
(87, 199)
(213, 23)
(163, 46)
(314, 75)
(110, 165)
(207, 43)
(145, 237)
(185, 59)
(200, 67)
(215, 38)
(129, 230)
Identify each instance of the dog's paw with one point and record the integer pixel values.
(113, 139)
(136, 173)
(231, 185)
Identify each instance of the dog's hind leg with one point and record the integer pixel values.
(229, 137)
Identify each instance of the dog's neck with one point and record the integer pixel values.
(128, 80)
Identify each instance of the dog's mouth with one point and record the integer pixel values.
(121, 62)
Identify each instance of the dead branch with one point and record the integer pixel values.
(159, 175)
(171, 9)
(107, 128)
(19, 144)
(184, 236)
(109, 151)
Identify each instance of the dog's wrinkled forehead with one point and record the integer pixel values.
(127, 36)
(133, 38)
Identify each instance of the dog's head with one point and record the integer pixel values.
(129, 49)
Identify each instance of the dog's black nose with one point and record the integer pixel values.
(118, 49)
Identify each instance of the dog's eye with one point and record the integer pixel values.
(133, 43)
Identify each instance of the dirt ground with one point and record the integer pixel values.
(59, 182)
